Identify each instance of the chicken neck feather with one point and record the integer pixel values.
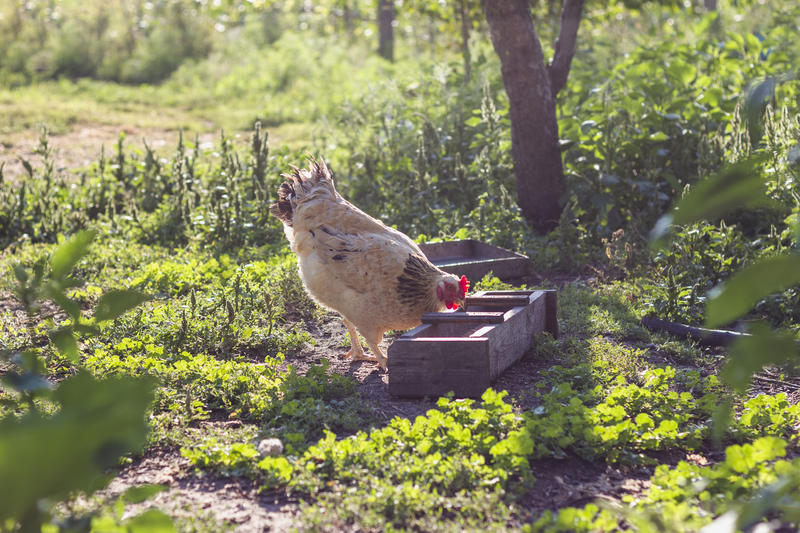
(417, 283)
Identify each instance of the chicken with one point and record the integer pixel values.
(374, 276)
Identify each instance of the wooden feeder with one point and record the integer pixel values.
(475, 259)
(465, 351)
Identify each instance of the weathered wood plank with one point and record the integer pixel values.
(503, 268)
(478, 317)
(482, 331)
(475, 259)
(496, 252)
(508, 342)
(496, 301)
(452, 354)
(551, 312)
(449, 249)
(458, 365)
(501, 293)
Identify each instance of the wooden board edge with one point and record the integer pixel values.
(498, 251)
(551, 312)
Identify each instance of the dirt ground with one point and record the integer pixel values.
(192, 497)
(82, 145)
(236, 502)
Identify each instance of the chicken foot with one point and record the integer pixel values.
(373, 338)
(380, 358)
(357, 352)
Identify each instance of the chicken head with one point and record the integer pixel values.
(452, 291)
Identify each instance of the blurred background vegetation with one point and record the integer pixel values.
(660, 95)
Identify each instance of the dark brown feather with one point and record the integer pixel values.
(317, 171)
(414, 284)
(283, 208)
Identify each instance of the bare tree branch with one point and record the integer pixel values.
(558, 69)
(706, 337)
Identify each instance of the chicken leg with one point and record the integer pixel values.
(356, 351)
(373, 338)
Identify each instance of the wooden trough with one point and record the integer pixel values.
(475, 259)
(465, 351)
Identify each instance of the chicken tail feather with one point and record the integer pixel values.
(300, 183)
(282, 209)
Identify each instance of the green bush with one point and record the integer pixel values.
(135, 42)
(643, 130)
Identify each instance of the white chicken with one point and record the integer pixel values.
(374, 276)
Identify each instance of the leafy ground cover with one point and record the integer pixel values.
(147, 284)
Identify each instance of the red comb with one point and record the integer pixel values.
(464, 284)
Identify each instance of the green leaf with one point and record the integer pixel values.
(712, 96)
(644, 421)
(27, 382)
(520, 442)
(767, 498)
(66, 256)
(749, 355)
(114, 303)
(739, 458)
(746, 288)
(20, 273)
(64, 340)
(721, 419)
(797, 232)
(681, 72)
(758, 95)
(142, 493)
(739, 185)
(151, 521)
(56, 293)
(51, 456)
(86, 329)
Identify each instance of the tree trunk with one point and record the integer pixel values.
(532, 110)
(347, 15)
(465, 54)
(386, 29)
(711, 5)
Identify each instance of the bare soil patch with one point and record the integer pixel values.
(214, 501)
(332, 344)
(574, 482)
(82, 145)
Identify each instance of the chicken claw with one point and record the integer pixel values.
(356, 354)
(364, 357)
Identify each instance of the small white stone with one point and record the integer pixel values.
(270, 447)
